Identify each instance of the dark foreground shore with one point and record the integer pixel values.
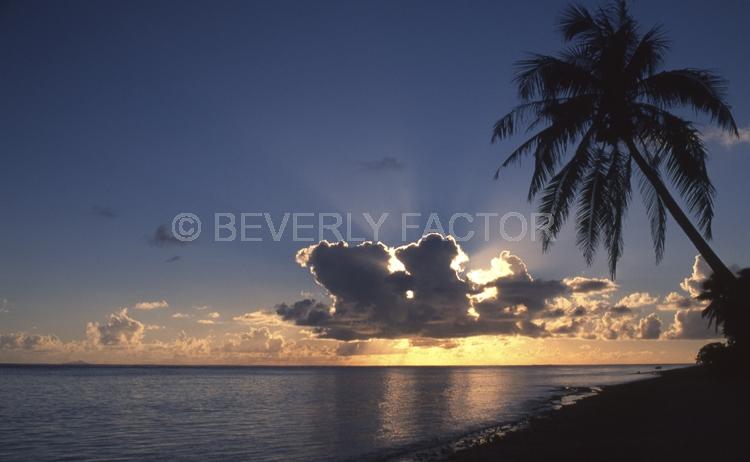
(685, 414)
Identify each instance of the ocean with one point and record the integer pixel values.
(274, 413)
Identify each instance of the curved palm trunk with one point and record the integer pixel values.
(713, 260)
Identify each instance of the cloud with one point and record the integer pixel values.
(674, 301)
(181, 316)
(446, 344)
(693, 284)
(689, 324)
(30, 342)
(259, 318)
(584, 285)
(727, 139)
(173, 259)
(305, 312)
(421, 291)
(163, 237)
(619, 310)
(211, 318)
(370, 347)
(613, 326)
(371, 300)
(579, 311)
(256, 340)
(649, 327)
(103, 211)
(569, 328)
(638, 299)
(514, 289)
(187, 346)
(382, 164)
(149, 306)
(119, 330)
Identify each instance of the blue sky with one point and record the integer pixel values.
(148, 109)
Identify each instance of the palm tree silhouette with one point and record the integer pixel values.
(727, 309)
(604, 97)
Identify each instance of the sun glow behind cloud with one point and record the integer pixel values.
(499, 267)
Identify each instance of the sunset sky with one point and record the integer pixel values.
(117, 116)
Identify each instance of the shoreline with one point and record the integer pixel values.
(683, 413)
(562, 398)
(566, 396)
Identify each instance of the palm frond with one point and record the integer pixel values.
(550, 150)
(561, 190)
(569, 119)
(618, 197)
(699, 88)
(685, 156)
(657, 214)
(543, 109)
(648, 55)
(576, 21)
(551, 77)
(592, 205)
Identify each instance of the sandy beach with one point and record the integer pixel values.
(683, 414)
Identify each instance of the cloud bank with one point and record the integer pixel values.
(421, 290)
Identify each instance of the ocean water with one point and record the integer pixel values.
(270, 413)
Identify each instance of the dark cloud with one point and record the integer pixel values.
(620, 310)
(163, 237)
(422, 292)
(579, 311)
(532, 329)
(520, 289)
(571, 328)
(306, 312)
(104, 212)
(553, 313)
(421, 342)
(581, 284)
(427, 298)
(173, 259)
(383, 164)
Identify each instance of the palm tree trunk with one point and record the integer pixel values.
(713, 260)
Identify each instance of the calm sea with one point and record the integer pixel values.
(273, 414)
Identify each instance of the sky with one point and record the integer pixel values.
(117, 116)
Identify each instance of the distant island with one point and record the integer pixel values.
(77, 363)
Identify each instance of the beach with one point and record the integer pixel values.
(684, 414)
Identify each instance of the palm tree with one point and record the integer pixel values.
(727, 309)
(604, 99)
